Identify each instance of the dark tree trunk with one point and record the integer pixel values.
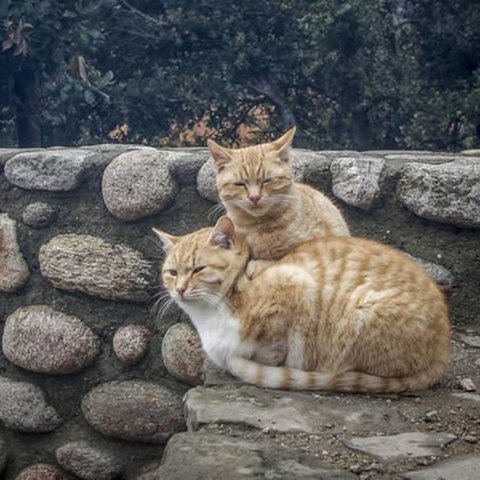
(28, 109)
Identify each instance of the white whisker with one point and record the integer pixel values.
(215, 210)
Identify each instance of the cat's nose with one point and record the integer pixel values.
(255, 198)
(181, 289)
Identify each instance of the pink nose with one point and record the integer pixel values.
(255, 198)
(181, 289)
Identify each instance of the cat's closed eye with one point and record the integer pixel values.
(198, 269)
(171, 272)
(239, 184)
(266, 180)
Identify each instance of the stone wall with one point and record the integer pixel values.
(86, 386)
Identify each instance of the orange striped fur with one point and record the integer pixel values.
(336, 313)
(286, 213)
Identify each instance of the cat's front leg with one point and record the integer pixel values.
(255, 267)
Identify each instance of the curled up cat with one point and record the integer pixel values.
(335, 313)
(268, 208)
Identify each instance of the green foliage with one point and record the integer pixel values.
(355, 74)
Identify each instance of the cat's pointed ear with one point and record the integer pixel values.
(168, 241)
(282, 145)
(223, 234)
(219, 154)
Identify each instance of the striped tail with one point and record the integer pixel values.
(286, 378)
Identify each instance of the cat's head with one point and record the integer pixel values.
(203, 266)
(254, 180)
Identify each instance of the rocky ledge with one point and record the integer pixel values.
(95, 379)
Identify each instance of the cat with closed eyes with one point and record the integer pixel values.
(335, 313)
(272, 211)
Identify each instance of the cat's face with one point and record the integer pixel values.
(256, 179)
(203, 266)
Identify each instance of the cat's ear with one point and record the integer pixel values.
(219, 154)
(282, 145)
(168, 241)
(223, 234)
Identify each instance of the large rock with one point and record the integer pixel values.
(464, 467)
(209, 456)
(207, 182)
(402, 445)
(137, 184)
(130, 343)
(13, 268)
(185, 163)
(41, 471)
(88, 461)
(357, 180)
(87, 264)
(134, 410)
(183, 354)
(23, 407)
(288, 412)
(447, 193)
(213, 456)
(41, 339)
(53, 170)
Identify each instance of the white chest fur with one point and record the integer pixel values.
(219, 332)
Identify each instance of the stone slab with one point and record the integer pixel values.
(470, 340)
(282, 412)
(402, 445)
(465, 467)
(474, 397)
(212, 457)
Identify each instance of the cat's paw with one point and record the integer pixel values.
(254, 267)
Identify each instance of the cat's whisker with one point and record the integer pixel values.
(161, 294)
(163, 305)
(215, 211)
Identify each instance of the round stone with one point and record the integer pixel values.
(82, 263)
(130, 343)
(88, 462)
(183, 354)
(13, 268)
(23, 407)
(357, 180)
(41, 471)
(138, 184)
(52, 170)
(41, 339)
(134, 410)
(207, 182)
(39, 215)
(447, 193)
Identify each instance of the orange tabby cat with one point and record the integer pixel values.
(273, 212)
(336, 313)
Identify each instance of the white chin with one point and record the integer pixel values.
(256, 211)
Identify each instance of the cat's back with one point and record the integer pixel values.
(359, 261)
(321, 212)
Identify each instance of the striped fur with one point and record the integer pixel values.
(286, 378)
(336, 313)
(287, 213)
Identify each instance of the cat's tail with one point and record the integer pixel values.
(286, 378)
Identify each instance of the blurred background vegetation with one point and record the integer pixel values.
(356, 74)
